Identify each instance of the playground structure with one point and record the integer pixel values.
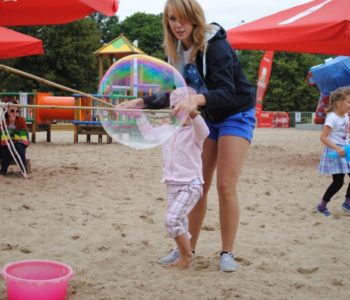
(84, 121)
(114, 50)
(327, 77)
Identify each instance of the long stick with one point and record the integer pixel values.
(86, 108)
(62, 87)
(48, 82)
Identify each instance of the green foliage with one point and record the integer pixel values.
(68, 58)
(250, 61)
(147, 29)
(109, 27)
(287, 90)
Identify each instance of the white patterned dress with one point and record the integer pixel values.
(339, 135)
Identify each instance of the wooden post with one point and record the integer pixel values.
(100, 66)
(48, 133)
(34, 122)
(76, 117)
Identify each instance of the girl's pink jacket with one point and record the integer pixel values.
(182, 152)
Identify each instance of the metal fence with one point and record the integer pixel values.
(301, 117)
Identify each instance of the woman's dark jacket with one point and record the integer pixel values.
(229, 91)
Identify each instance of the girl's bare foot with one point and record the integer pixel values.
(182, 263)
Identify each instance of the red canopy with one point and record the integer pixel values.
(15, 44)
(45, 12)
(320, 26)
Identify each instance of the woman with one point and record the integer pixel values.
(18, 133)
(225, 99)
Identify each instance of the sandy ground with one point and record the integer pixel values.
(99, 208)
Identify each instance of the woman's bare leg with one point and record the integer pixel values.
(230, 156)
(197, 215)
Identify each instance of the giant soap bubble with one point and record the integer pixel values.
(141, 76)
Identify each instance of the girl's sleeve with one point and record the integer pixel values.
(329, 121)
(200, 128)
(150, 133)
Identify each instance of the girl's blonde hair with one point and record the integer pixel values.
(187, 10)
(338, 95)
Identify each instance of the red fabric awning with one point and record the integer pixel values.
(319, 26)
(15, 44)
(40, 12)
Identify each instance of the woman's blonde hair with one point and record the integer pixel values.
(187, 10)
(338, 95)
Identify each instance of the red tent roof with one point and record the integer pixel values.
(15, 44)
(320, 26)
(45, 12)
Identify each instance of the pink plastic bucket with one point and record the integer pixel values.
(37, 280)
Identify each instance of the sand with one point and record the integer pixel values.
(99, 208)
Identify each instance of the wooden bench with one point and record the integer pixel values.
(90, 128)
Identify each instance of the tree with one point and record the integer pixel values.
(287, 90)
(148, 30)
(109, 27)
(68, 58)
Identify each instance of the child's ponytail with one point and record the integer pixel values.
(338, 95)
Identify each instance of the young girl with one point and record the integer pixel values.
(182, 173)
(335, 135)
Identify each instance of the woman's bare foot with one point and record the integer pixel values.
(182, 263)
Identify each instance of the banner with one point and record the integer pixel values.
(263, 79)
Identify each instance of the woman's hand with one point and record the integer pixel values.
(185, 106)
(182, 101)
(189, 104)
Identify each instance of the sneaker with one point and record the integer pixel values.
(323, 210)
(170, 258)
(228, 263)
(346, 207)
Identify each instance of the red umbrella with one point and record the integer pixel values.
(40, 12)
(319, 26)
(15, 44)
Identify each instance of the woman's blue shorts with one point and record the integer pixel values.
(240, 124)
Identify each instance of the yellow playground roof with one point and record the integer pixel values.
(119, 47)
